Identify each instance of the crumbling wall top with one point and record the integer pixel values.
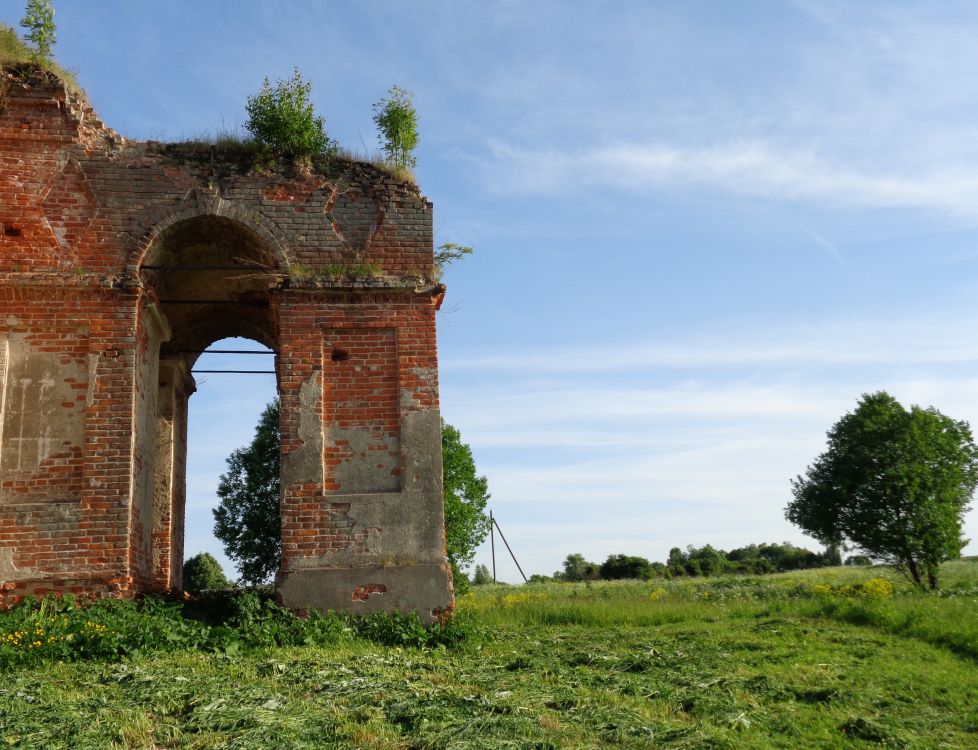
(80, 198)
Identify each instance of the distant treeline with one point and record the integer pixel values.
(703, 561)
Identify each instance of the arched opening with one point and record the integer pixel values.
(233, 390)
(208, 279)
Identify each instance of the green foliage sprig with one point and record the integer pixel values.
(397, 123)
(282, 119)
(39, 21)
(446, 254)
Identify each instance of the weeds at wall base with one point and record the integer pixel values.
(59, 629)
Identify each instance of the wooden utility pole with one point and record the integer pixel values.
(492, 541)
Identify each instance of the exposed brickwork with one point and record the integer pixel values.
(94, 364)
(360, 401)
(363, 593)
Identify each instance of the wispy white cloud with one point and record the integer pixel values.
(713, 401)
(828, 246)
(946, 340)
(749, 168)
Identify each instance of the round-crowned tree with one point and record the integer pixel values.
(618, 567)
(894, 482)
(202, 572)
(247, 519)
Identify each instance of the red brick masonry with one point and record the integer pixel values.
(119, 261)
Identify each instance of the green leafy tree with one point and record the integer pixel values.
(832, 556)
(248, 520)
(482, 576)
(677, 562)
(466, 495)
(39, 21)
(618, 567)
(281, 118)
(397, 125)
(894, 482)
(576, 568)
(706, 560)
(203, 572)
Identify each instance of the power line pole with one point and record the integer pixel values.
(492, 539)
(503, 537)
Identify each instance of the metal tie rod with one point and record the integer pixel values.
(253, 302)
(205, 268)
(224, 351)
(233, 372)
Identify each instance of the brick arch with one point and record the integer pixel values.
(204, 205)
(94, 462)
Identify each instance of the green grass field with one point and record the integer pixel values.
(843, 658)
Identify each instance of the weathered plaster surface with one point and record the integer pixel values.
(305, 463)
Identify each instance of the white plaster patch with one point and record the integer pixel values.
(9, 571)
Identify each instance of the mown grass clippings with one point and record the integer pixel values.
(678, 687)
(771, 666)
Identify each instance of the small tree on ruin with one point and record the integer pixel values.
(397, 126)
(282, 119)
(39, 21)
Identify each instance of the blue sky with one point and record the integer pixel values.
(702, 230)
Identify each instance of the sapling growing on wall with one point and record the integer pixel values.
(39, 21)
(282, 119)
(397, 123)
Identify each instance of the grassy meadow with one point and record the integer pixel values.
(830, 658)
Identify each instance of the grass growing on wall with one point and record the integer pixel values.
(14, 52)
(830, 658)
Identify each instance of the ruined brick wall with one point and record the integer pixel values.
(101, 303)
